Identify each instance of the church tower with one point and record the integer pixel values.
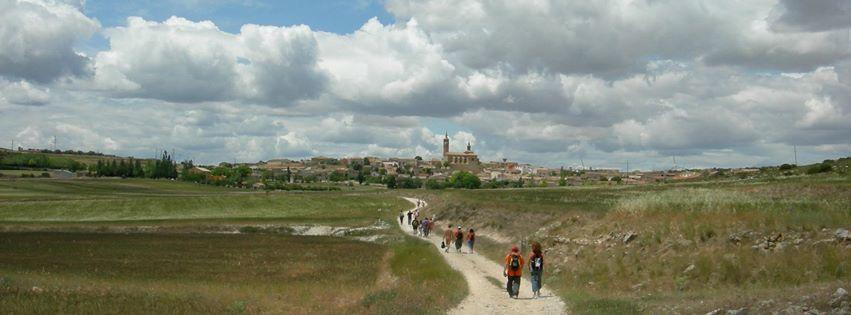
(445, 144)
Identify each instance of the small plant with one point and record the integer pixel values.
(238, 307)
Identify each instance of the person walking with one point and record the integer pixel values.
(431, 224)
(459, 239)
(415, 224)
(536, 269)
(410, 213)
(424, 227)
(471, 239)
(447, 238)
(513, 271)
(402, 217)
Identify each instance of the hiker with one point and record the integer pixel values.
(431, 224)
(409, 216)
(471, 239)
(402, 217)
(447, 238)
(459, 239)
(424, 227)
(513, 270)
(415, 224)
(536, 269)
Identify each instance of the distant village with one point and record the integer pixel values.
(452, 170)
(495, 174)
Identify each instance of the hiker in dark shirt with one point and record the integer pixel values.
(536, 269)
(471, 239)
(459, 239)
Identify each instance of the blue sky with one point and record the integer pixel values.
(229, 15)
(322, 15)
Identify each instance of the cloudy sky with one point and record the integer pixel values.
(714, 83)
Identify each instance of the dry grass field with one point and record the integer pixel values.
(690, 248)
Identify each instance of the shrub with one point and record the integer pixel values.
(787, 167)
(819, 168)
(45, 175)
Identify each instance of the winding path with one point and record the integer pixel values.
(485, 297)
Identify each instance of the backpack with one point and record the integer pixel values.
(415, 223)
(537, 263)
(515, 262)
(459, 235)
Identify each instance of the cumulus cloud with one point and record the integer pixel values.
(37, 39)
(615, 38)
(179, 60)
(388, 69)
(550, 82)
(813, 15)
(24, 93)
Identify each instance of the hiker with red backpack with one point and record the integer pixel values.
(536, 269)
(513, 271)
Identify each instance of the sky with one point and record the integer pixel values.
(715, 83)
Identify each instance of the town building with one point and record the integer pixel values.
(467, 157)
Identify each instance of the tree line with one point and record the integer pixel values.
(163, 167)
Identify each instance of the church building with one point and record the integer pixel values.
(467, 157)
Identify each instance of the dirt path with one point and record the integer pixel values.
(485, 297)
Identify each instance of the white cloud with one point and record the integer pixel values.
(24, 93)
(184, 61)
(37, 39)
(547, 82)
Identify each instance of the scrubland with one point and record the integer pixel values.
(683, 248)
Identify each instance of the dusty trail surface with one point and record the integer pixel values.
(485, 297)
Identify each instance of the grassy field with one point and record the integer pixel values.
(151, 200)
(173, 266)
(701, 241)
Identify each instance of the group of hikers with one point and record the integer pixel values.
(513, 270)
(514, 262)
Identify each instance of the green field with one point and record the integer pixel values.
(712, 226)
(151, 200)
(171, 257)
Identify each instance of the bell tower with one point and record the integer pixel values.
(445, 144)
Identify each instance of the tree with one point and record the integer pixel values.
(390, 182)
(464, 179)
(562, 181)
(418, 158)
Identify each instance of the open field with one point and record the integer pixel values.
(723, 244)
(176, 259)
(161, 200)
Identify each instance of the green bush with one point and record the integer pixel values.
(464, 179)
(820, 168)
(785, 167)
